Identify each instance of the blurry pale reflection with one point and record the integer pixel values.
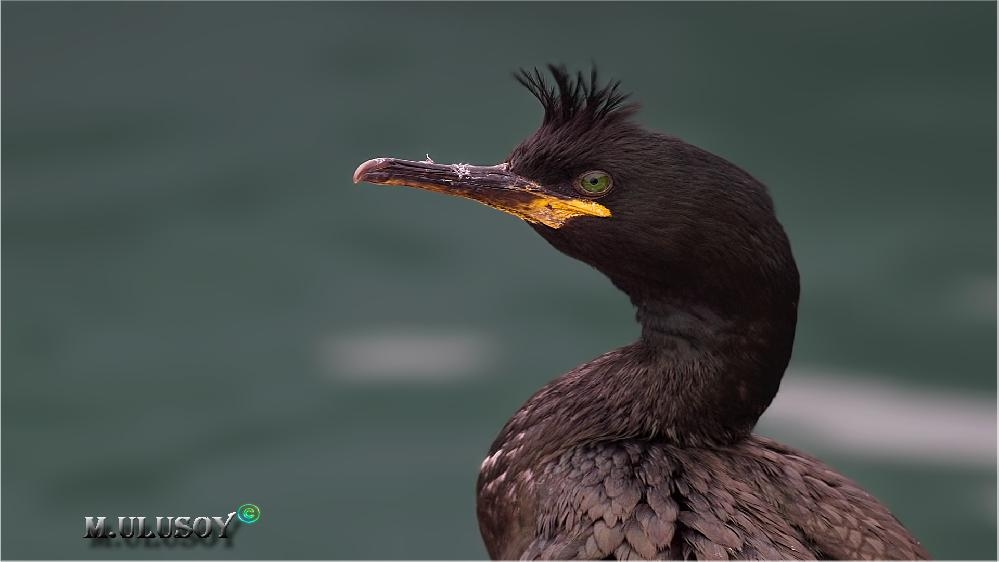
(414, 353)
(866, 415)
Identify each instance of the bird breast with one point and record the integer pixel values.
(638, 499)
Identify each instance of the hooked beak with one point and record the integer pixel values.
(494, 186)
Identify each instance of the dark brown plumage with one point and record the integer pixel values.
(647, 452)
(639, 497)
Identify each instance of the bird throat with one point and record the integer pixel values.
(708, 376)
(694, 378)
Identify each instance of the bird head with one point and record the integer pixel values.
(663, 219)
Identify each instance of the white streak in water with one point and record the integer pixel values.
(414, 354)
(870, 416)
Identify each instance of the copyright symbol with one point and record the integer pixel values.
(248, 513)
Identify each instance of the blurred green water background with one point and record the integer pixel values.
(201, 310)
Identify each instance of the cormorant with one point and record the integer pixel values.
(647, 450)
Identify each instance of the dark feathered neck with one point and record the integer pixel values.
(717, 372)
(694, 378)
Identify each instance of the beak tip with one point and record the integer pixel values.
(367, 167)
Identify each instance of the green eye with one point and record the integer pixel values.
(595, 182)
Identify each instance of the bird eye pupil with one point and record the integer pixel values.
(594, 182)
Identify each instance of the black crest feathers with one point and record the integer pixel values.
(576, 97)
